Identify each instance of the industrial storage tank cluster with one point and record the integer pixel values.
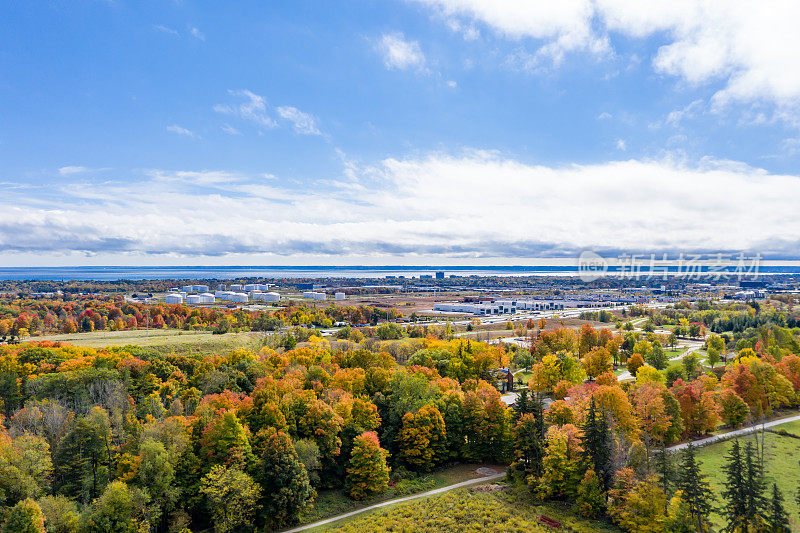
(339, 296)
(175, 298)
(204, 298)
(257, 287)
(194, 288)
(232, 296)
(311, 295)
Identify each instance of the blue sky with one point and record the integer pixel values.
(395, 132)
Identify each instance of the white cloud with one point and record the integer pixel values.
(436, 205)
(230, 130)
(621, 145)
(792, 146)
(165, 29)
(674, 118)
(253, 108)
(174, 128)
(304, 123)
(753, 47)
(604, 116)
(399, 53)
(68, 170)
(197, 34)
(566, 25)
(452, 84)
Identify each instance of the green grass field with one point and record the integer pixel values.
(335, 502)
(468, 510)
(781, 456)
(163, 340)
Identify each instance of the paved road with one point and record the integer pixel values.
(467, 483)
(736, 433)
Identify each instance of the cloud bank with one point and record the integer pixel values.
(470, 205)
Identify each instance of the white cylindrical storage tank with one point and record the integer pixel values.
(207, 298)
(339, 296)
(311, 295)
(175, 298)
(236, 287)
(239, 297)
(250, 287)
(187, 288)
(267, 296)
(194, 299)
(201, 288)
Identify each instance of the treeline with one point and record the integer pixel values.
(127, 439)
(736, 317)
(22, 318)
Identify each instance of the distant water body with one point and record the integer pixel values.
(111, 273)
(292, 272)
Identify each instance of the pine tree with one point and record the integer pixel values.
(754, 487)
(735, 511)
(537, 408)
(778, 519)
(597, 445)
(665, 470)
(695, 488)
(521, 406)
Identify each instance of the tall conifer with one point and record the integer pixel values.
(695, 488)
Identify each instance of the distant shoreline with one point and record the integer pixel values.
(109, 273)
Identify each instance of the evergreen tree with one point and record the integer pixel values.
(521, 406)
(529, 447)
(755, 501)
(287, 492)
(778, 519)
(597, 445)
(695, 488)
(735, 511)
(665, 470)
(537, 409)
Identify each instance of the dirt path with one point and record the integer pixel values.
(736, 433)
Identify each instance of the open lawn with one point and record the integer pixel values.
(781, 455)
(335, 502)
(469, 510)
(163, 340)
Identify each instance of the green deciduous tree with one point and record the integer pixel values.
(231, 496)
(120, 509)
(61, 514)
(25, 517)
